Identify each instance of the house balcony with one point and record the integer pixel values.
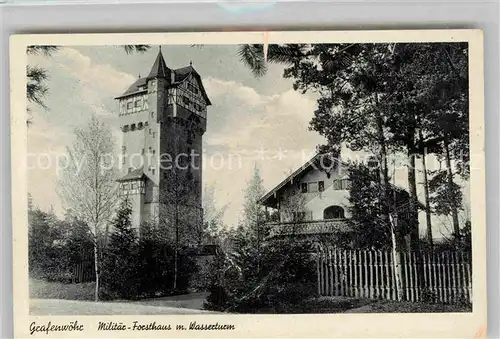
(309, 227)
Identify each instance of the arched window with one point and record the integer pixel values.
(132, 127)
(139, 126)
(333, 212)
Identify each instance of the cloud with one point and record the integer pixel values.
(78, 88)
(251, 128)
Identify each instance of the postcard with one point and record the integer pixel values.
(249, 184)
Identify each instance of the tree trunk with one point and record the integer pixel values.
(412, 185)
(396, 261)
(176, 254)
(454, 212)
(384, 172)
(96, 268)
(427, 203)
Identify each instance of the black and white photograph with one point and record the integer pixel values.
(270, 178)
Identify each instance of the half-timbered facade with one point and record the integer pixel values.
(163, 118)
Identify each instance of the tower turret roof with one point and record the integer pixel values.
(159, 69)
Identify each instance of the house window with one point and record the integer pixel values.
(333, 212)
(137, 103)
(130, 105)
(125, 186)
(341, 184)
(321, 186)
(130, 169)
(186, 100)
(303, 187)
(133, 185)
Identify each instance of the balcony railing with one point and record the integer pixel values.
(308, 227)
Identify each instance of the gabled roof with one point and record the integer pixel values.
(313, 161)
(134, 175)
(159, 69)
(135, 88)
(292, 176)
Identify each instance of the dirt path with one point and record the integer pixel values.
(76, 307)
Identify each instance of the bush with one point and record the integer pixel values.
(280, 272)
(56, 247)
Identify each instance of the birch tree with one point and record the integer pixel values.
(87, 183)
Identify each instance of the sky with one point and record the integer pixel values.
(252, 122)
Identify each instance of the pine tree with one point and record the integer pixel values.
(119, 272)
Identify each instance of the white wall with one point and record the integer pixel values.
(315, 203)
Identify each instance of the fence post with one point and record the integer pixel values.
(318, 270)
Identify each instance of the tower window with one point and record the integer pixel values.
(130, 169)
(142, 152)
(153, 170)
(137, 103)
(139, 126)
(129, 105)
(154, 134)
(132, 127)
(150, 131)
(154, 152)
(124, 149)
(152, 114)
(186, 100)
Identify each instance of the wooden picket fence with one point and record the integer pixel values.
(83, 270)
(437, 277)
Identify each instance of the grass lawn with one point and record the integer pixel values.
(355, 305)
(42, 289)
(388, 306)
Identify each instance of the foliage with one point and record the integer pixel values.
(365, 193)
(87, 184)
(258, 271)
(444, 197)
(155, 266)
(119, 266)
(55, 246)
